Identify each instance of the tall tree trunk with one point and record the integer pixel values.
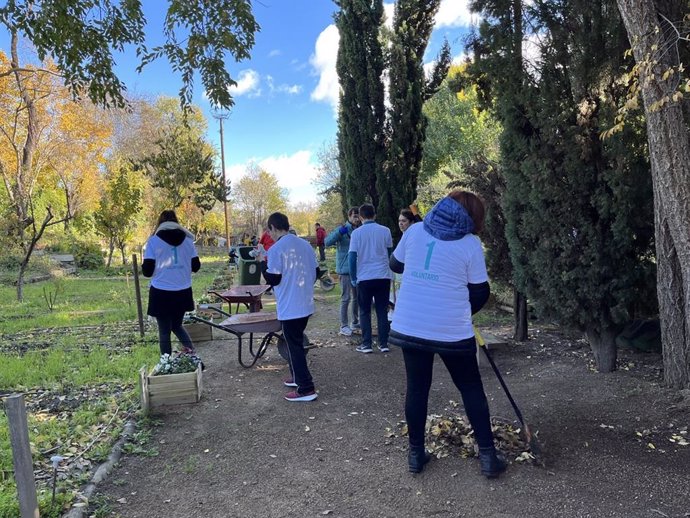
(68, 209)
(603, 344)
(20, 279)
(22, 206)
(111, 249)
(669, 149)
(28, 249)
(520, 312)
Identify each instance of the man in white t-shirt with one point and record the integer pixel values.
(292, 270)
(370, 246)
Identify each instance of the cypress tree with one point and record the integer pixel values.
(579, 209)
(361, 149)
(413, 22)
(498, 71)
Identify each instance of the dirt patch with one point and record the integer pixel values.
(614, 442)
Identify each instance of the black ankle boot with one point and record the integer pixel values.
(491, 462)
(417, 458)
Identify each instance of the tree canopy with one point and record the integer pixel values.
(380, 150)
(578, 209)
(255, 196)
(82, 37)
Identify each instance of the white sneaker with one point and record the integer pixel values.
(346, 331)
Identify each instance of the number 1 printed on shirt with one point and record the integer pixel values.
(430, 245)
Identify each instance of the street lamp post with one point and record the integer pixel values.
(221, 117)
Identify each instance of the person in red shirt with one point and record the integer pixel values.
(320, 239)
(266, 240)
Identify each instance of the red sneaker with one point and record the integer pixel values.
(289, 382)
(296, 396)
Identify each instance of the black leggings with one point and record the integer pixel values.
(168, 324)
(464, 370)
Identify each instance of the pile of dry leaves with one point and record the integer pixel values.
(452, 435)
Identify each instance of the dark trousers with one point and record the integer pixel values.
(172, 323)
(293, 332)
(464, 371)
(322, 252)
(377, 289)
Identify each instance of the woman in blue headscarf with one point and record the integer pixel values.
(444, 282)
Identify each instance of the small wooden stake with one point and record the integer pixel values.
(137, 289)
(21, 455)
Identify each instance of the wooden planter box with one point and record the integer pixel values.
(169, 389)
(199, 332)
(204, 311)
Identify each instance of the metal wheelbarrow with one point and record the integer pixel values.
(261, 323)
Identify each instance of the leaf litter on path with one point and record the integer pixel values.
(452, 436)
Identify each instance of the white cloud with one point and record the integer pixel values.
(459, 59)
(274, 53)
(451, 13)
(454, 13)
(294, 172)
(531, 52)
(428, 68)
(323, 61)
(282, 88)
(247, 84)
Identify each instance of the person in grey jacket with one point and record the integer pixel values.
(340, 238)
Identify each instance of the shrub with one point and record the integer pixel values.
(87, 254)
(10, 261)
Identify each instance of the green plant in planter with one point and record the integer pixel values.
(169, 364)
(204, 299)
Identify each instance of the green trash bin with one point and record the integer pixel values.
(248, 266)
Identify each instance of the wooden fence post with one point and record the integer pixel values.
(21, 456)
(137, 289)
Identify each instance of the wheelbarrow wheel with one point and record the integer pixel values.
(326, 283)
(283, 348)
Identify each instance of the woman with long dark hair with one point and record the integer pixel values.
(170, 257)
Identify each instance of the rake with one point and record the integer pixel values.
(529, 437)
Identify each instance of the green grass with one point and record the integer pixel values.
(66, 366)
(87, 351)
(89, 299)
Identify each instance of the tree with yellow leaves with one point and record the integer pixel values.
(45, 144)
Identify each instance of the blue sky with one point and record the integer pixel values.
(286, 98)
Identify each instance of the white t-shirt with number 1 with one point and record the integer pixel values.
(173, 263)
(433, 301)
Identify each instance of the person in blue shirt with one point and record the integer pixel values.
(340, 238)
